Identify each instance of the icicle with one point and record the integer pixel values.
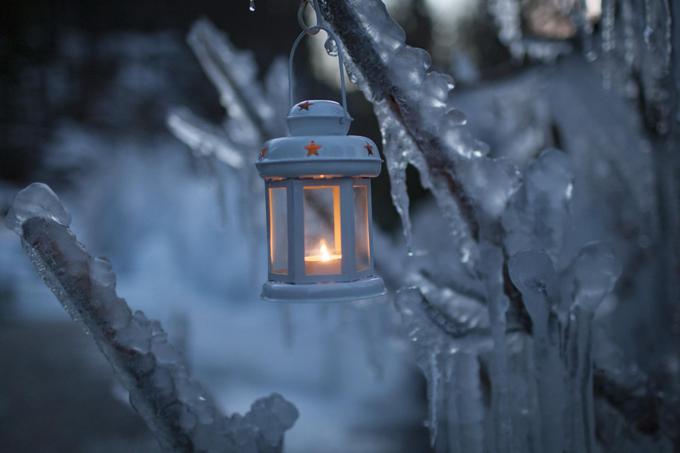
(534, 275)
(507, 14)
(490, 272)
(465, 409)
(608, 40)
(204, 139)
(445, 323)
(593, 275)
(433, 395)
(397, 148)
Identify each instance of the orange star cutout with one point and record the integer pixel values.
(369, 148)
(263, 153)
(304, 105)
(312, 149)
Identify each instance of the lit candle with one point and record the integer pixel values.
(324, 262)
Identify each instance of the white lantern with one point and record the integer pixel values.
(318, 195)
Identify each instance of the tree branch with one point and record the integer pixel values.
(179, 412)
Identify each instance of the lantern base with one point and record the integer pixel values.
(324, 292)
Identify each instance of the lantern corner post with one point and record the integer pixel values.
(369, 201)
(296, 231)
(349, 271)
(268, 229)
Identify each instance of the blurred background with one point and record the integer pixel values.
(85, 91)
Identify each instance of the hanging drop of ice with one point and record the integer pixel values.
(595, 272)
(36, 200)
(538, 217)
(251, 7)
(331, 47)
(455, 117)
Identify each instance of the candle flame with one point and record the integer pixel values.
(323, 251)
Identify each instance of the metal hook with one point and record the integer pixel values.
(301, 17)
(341, 62)
(311, 31)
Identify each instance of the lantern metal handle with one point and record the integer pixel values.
(312, 31)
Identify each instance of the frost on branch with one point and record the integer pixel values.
(205, 139)
(419, 122)
(526, 251)
(179, 412)
(255, 113)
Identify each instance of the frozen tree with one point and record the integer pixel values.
(518, 237)
(514, 302)
(502, 312)
(176, 408)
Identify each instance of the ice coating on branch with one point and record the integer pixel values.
(419, 122)
(180, 413)
(570, 309)
(400, 151)
(594, 273)
(232, 72)
(421, 127)
(204, 139)
(36, 200)
(538, 216)
(256, 113)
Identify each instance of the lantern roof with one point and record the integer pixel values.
(318, 144)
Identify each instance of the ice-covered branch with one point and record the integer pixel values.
(232, 72)
(420, 125)
(180, 413)
(204, 139)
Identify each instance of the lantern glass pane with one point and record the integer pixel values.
(278, 230)
(323, 238)
(361, 234)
